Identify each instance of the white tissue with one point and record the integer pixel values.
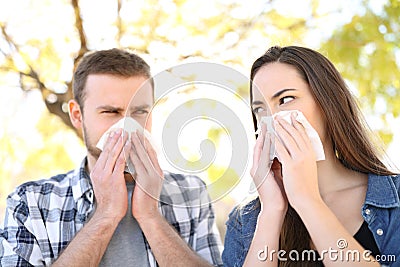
(311, 132)
(130, 125)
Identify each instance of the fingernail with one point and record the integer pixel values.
(114, 133)
(126, 134)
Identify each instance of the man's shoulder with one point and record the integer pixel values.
(46, 185)
(39, 197)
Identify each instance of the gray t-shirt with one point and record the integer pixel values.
(127, 247)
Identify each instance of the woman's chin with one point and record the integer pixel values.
(276, 168)
(276, 163)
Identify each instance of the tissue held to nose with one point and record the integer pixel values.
(311, 132)
(130, 125)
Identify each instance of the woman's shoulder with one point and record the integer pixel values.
(244, 214)
(391, 180)
(383, 190)
(396, 181)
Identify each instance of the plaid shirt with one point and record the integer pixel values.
(42, 217)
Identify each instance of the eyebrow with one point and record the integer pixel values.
(277, 94)
(132, 109)
(255, 103)
(108, 107)
(145, 106)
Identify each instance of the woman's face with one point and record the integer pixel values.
(277, 87)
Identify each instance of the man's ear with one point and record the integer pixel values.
(75, 114)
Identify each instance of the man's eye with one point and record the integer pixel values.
(141, 111)
(109, 111)
(286, 99)
(257, 110)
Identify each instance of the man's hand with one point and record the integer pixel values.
(88, 246)
(149, 178)
(108, 178)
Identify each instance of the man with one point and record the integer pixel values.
(92, 216)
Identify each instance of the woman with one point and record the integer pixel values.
(309, 213)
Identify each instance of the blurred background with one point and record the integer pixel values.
(42, 40)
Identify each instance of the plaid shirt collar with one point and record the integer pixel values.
(82, 191)
(81, 183)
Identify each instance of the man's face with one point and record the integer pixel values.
(110, 98)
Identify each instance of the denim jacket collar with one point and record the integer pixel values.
(382, 192)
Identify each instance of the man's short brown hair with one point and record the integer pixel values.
(114, 61)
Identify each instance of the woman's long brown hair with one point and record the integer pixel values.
(345, 127)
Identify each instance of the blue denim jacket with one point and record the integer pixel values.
(381, 211)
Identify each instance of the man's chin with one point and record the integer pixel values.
(94, 152)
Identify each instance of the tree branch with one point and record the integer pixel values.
(120, 32)
(79, 26)
(55, 102)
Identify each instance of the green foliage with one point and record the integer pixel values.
(367, 53)
(222, 180)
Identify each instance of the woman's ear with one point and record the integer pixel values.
(75, 114)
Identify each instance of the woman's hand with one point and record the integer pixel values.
(299, 167)
(267, 174)
(268, 180)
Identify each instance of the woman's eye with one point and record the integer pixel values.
(286, 99)
(109, 111)
(257, 110)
